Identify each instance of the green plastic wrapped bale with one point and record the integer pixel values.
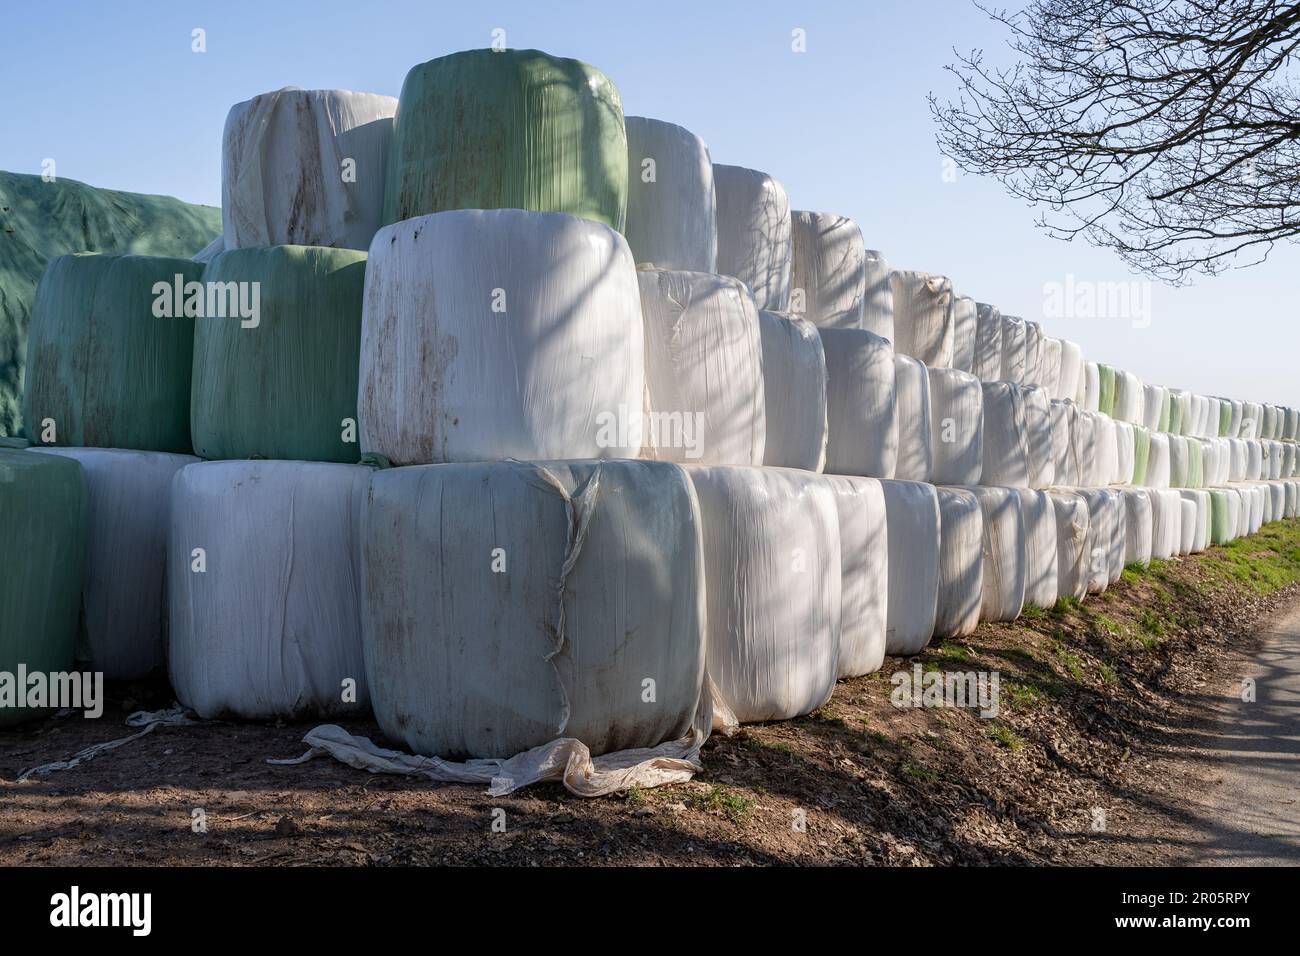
(40, 220)
(108, 363)
(1141, 454)
(1225, 417)
(516, 129)
(1175, 416)
(281, 384)
(1195, 463)
(1166, 411)
(1106, 390)
(1221, 523)
(42, 549)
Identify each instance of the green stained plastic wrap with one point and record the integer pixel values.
(515, 129)
(40, 220)
(1225, 417)
(102, 365)
(286, 386)
(1141, 454)
(1106, 389)
(1221, 529)
(1175, 426)
(42, 548)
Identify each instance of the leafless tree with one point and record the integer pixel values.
(1165, 130)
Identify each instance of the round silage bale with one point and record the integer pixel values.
(794, 392)
(1141, 454)
(1179, 461)
(501, 334)
(754, 233)
(1153, 399)
(965, 327)
(1292, 498)
(1085, 439)
(1254, 460)
(961, 580)
(1004, 554)
(1033, 352)
(1038, 436)
(1187, 537)
(305, 168)
(956, 426)
(1130, 398)
(878, 301)
(861, 408)
(1015, 354)
(1158, 466)
(864, 572)
(264, 589)
(671, 207)
(1091, 387)
(581, 584)
(912, 515)
(1051, 367)
(42, 546)
(1039, 518)
(1137, 526)
(1225, 506)
(923, 317)
(987, 362)
(1107, 532)
(1202, 520)
(704, 375)
(912, 388)
(1277, 500)
(1124, 459)
(828, 275)
(1106, 389)
(1006, 437)
(283, 384)
(1071, 370)
(509, 129)
(124, 613)
(1072, 556)
(1064, 465)
(1166, 522)
(773, 579)
(110, 352)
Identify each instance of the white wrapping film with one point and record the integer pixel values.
(794, 392)
(1179, 461)
(961, 563)
(1091, 387)
(1126, 450)
(1033, 352)
(912, 388)
(1038, 436)
(1004, 554)
(1006, 437)
(1137, 526)
(671, 208)
(828, 275)
(1071, 370)
(1072, 556)
(124, 611)
(912, 513)
(577, 581)
(965, 328)
(1166, 522)
(987, 362)
(305, 168)
(1106, 537)
(1158, 470)
(878, 303)
(271, 625)
(956, 426)
(501, 334)
(704, 378)
(864, 573)
(861, 407)
(1015, 346)
(1153, 400)
(923, 317)
(1051, 367)
(1188, 526)
(1066, 467)
(772, 579)
(1039, 518)
(1201, 527)
(1105, 430)
(754, 233)
(1130, 398)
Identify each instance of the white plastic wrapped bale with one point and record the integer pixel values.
(1277, 500)
(671, 207)
(1291, 428)
(1153, 399)
(1063, 414)
(124, 614)
(1130, 398)
(772, 560)
(923, 317)
(1137, 526)
(1257, 506)
(1288, 451)
(956, 426)
(878, 303)
(1091, 387)
(1039, 518)
(794, 392)
(264, 588)
(1292, 499)
(1004, 554)
(1275, 460)
(704, 375)
(1014, 350)
(1188, 528)
(1006, 437)
(1158, 471)
(1166, 522)
(1124, 447)
(1033, 352)
(965, 325)
(1107, 531)
(542, 305)
(591, 575)
(987, 362)
(1238, 459)
(1225, 510)
(861, 414)
(1268, 421)
(1179, 461)
(912, 513)
(1071, 370)
(1051, 367)
(1072, 557)
(961, 579)
(1254, 460)
(1038, 436)
(828, 275)
(1237, 411)
(1201, 523)
(754, 233)
(864, 573)
(912, 388)
(1252, 420)
(1084, 448)
(305, 168)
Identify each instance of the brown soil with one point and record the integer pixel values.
(1101, 708)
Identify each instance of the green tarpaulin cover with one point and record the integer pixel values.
(42, 549)
(40, 220)
(515, 129)
(285, 387)
(102, 364)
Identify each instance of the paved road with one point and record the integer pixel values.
(1255, 811)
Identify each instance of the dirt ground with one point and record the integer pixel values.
(1105, 729)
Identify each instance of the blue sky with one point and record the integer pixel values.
(114, 94)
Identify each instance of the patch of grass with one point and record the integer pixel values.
(720, 800)
(1032, 612)
(916, 772)
(776, 746)
(1265, 562)
(1151, 628)
(1020, 696)
(1071, 661)
(957, 653)
(636, 797)
(1005, 736)
(1067, 603)
(1107, 625)
(1108, 674)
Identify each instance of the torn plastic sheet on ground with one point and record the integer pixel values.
(148, 720)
